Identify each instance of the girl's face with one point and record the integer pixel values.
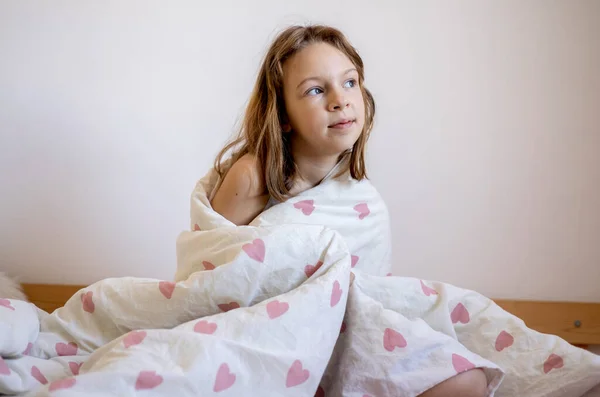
(323, 101)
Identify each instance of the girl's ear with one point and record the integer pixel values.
(285, 122)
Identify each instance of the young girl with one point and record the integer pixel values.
(308, 119)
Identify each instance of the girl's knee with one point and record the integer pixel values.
(472, 383)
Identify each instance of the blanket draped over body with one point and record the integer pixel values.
(298, 303)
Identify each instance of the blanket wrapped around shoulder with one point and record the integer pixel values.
(298, 303)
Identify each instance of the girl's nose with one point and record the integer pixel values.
(338, 102)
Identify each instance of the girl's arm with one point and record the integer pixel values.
(240, 197)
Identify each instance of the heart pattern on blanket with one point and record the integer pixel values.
(307, 206)
(208, 266)
(427, 290)
(309, 270)
(393, 339)
(225, 379)
(75, 367)
(4, 370)
(353, 260)
(461, 364)
(166, 288)
(336, 294)
(296, 375)
(37, 374)
(148, 380)
(6, 303)
(363, 210)
(134, 338)
(276, 308)
(62, 384)
(225, 307)
(553, 362)
(205, 327)
(255, 250)
(504, 340)
(460, 314)
(27, 350)
(64, 349)
(343, 328)
(88, 302)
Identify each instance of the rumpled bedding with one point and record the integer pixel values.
(298, 303)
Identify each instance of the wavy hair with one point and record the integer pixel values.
(261, 131)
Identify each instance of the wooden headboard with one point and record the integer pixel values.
(577, 323)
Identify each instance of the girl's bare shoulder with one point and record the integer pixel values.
(241, 196)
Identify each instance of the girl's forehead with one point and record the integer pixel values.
(316, 60)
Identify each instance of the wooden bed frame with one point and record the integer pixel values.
(577, 323)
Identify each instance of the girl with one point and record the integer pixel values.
(308, 119)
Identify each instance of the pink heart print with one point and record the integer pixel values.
(148, 380)
(460, 314)
(208, 266)
(255, 250)
(363, 210)
(88, 302)
(336, 294)
(63, 349)
(276, 309)
(307, 206)
(393, 339)
(461, 364)
(62, 384)
(343, 328)
(134, 338)
(553, 362)
(309, 270)
(504, 340)
(205, 327)
(37, 374)
(75, 367)
(27, 350)
(196, 227)
(354, 260)
(225, 379)
(6, 303)
(427, 290)
(4, 370)
(166, 288)
(229, 306)
(296, 375)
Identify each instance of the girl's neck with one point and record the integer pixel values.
(311, 171)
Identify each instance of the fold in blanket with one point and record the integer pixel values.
(269, 310)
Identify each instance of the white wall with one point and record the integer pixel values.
(486, 148)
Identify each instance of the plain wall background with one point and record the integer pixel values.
(486, 147)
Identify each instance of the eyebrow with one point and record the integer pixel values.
(317, 78)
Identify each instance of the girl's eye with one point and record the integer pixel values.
(314, 91)
(350, 83)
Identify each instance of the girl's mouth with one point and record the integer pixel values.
(342, 124)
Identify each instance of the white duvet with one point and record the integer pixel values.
(271, 309)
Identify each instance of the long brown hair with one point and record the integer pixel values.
(261, 131)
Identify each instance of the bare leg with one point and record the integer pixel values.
(472, 383)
